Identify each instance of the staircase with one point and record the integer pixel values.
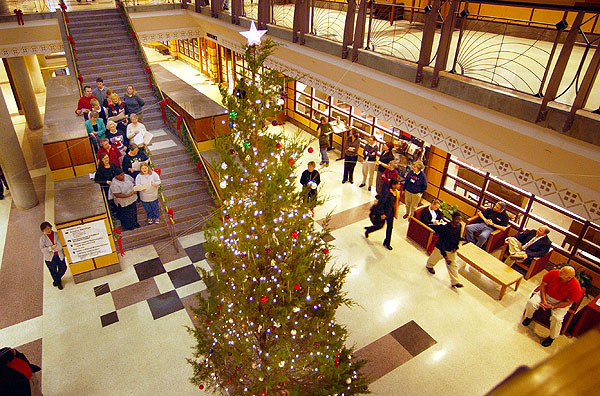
(114, 58)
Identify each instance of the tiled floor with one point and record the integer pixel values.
(124, 334)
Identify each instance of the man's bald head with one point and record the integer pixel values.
(566, 273)
(543, 230)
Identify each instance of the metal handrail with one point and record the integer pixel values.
(71, 50)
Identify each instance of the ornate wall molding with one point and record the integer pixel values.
(541, 186)
(164, 35)
(48, 47)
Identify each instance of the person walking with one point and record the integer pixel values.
(53, 254)
(415, 185)
(149, 195)
(385, 158)
(446, 247)
(310, 180)
(369, 157)
(383, 212)
(324, 129)
(351, 156)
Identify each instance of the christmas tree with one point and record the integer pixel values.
(266, 325)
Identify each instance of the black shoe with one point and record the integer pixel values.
(136, 225)
(343, 181)
(366, 233)
(60, 286)
(54, 284)
(405, 216)
(1, 197)
(362, 185)
(369, 188)
(351, 182)
(547, 342)
(430, 270)
(457, 285)
(388, 247)
(526, 321)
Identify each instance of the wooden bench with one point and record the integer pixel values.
(490, 266)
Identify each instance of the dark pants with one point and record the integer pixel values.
(389, 221)
(128, 216)
(349, 164)
(114, 209)
(57, 268)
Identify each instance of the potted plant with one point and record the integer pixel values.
(447, 210)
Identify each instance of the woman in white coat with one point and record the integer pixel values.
(53, 254)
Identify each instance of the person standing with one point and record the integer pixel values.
(95, 128)
(113, 152)
(53, 254)
(310, 180)
(385, 158)
(121, 188)
(446, 247)
(133, 103)
(324, 129)
(100, 91)
(136, 131)
(383, 212)
(369, 158)
(351, 155)
(18, 377)
(84, 104)
(149, 195)
(105, 172)
(558, 290)
(415, 185)
(133, 159)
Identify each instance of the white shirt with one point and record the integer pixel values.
(135, 130)
(150, 193)
(123, 187)
(433, 215)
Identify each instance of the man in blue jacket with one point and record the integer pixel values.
(415, 185)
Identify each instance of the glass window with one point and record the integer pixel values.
(361, 125)
(321, 95)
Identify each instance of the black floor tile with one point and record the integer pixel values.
(184, 276)
(148, 269)
(196, 253)
(164, 304)
(413, 338)
(101, 289)
(109, 318)
(328, 238)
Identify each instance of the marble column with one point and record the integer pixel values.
(13, 162)
(25, 89)
(33, 66)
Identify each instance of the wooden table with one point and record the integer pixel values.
(490, 266)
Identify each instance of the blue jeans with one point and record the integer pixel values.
(324, 156)
(57, 268)
(152, 210)
(484, 231)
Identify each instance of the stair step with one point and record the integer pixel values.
(183, 228)
(186, 190)
(103, 53)
(85, 30)
(98, 12)
(133, 68)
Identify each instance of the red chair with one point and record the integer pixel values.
(496, 238)
(536, 265)
(419, 232)
(542, 316)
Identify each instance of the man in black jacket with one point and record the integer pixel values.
(528, 244)
(384, 212)
(432, 216)
(446, 247)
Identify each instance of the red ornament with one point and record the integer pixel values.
(291, 161)
(232, 152)
(218, 307)
(274, 123)
(201, 387)
(294, 235)
(337, 359)
(267, 250)
(310, 150)
(297, 286)
(199, 166)
(208, 322)
(325, 251)
(278, 145)
(157, 170)
(264, 393)
(263, 299)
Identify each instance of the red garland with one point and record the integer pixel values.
(149, 77)
(157, 170)
(116, 231)
(337, 359)
(163, 103)
(70, 38)
(200, 168)
(80, 78)
(179, 118)
(170, 212)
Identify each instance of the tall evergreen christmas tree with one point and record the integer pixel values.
(266, 326)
